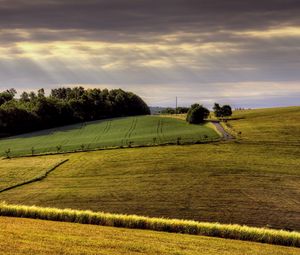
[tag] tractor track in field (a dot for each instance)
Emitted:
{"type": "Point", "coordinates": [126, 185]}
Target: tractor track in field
{"type": "Point", "coordinates": [129, 132]}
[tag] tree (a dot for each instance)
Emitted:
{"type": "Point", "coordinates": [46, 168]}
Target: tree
{"type": "Point", "coordinates": [24, 97]}
{"type": "Point", "coordinates": [7, 96]}
{"type": "Point", "coordinates": [224, 111]}
{"type": "Point", "coordinates": [197, 114]}
{"type": "Point", "coordinates": [41, 93]}
{"type": "Point", "coordinates": [34, 111]}
{"type": "Point", "coordinates": [217, 110]}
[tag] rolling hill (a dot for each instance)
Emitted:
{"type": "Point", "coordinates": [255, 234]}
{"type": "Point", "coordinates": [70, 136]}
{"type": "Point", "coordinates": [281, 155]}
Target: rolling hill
{"type": "Point", "coordinates": [253, 180]}
{"type": "Point", "coordinates": [121, 132]}
{"type": "Point", "coordinates": [233, 182]}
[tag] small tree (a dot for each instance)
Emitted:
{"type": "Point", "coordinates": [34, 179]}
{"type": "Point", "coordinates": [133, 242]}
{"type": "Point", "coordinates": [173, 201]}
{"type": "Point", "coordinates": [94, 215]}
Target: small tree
{"type": "Point", "coordinates": [130, 143]}
{"type": "Point", "coordinates": [58, 148]}
{"type": "Point", "coordinates": [154, 140]}
{"type": "Point", "coordinates": [226, 111]}
{"type": "Point", "coordinates": [217, 110]}
{"type": "Point", "coordinates": [7, 152]}
{"type": "Point", "coordinates": [197, 114]}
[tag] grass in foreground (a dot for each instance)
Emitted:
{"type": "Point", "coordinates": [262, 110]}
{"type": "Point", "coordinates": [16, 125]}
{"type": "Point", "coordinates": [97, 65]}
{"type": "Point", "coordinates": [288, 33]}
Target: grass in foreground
{"type": "Point", "coordinates": [278, 237]}
{"type": "Point", "coordinates": [227, 183]}
{"type": "Point", "coordinates": [26, 236]}
{"type": "Point", "coordinates": [121, 132]}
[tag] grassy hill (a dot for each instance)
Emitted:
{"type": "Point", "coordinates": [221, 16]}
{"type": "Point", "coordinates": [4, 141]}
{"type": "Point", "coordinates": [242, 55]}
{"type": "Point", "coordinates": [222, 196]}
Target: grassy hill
{"type": "Point", "coordinates": [229, 183]}
{"type": "Point", "coordinates": [269, 125]}
{"type": "Point", "coordinates": [143, 130]}
{"type": "Point", "coordinates": [256, 184]}
{"type": "Point", "coordinates": [26, 236]}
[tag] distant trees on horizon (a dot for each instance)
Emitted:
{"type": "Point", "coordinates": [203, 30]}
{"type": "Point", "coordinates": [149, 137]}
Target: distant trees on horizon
{"type": "Point", "coordinates": [35, 111]}
{"type": "Point", "coordinates": [178, 110]}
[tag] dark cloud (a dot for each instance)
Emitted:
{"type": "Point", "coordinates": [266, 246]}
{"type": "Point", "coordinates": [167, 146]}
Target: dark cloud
{"type": "Point", "coordinates": [172, 31]}
{"type": "Point", "coordinates": [148, 15]}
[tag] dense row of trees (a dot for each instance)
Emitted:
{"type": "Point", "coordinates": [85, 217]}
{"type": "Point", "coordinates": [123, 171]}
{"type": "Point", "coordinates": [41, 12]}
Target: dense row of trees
{"type": "Point", "coordinates": [178, 110]}
{"type": "Point", "coordinates": [34, 111]}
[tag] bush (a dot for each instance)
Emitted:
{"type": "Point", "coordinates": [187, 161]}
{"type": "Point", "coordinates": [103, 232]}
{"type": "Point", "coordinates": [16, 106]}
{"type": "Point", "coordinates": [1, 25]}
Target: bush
{"type": "Point", "coordinates": [196, 114]}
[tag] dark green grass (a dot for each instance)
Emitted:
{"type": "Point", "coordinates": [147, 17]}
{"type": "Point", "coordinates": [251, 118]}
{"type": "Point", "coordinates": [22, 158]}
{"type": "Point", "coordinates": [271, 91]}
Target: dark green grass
{"type": "Point", "coordinates": [121, 132]}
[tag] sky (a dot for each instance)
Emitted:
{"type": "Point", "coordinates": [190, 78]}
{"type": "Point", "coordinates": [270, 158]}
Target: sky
{"type": "Point", "coordinates": [243, 53]}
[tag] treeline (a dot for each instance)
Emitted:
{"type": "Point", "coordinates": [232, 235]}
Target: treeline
{"type": "Point", "coordinates": [178, 110]}
{"type": "Point", "coordinates": [35, 111]}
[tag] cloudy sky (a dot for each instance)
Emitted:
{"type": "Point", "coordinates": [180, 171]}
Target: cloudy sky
{"type": "Point", "coordinates": [246, 53]}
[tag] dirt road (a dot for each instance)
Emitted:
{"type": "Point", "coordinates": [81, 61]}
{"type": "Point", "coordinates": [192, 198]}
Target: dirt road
{"type": "Point", "coordinates": [225, 134]}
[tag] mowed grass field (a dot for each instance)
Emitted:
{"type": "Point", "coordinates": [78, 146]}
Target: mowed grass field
{"type": "Point", "coordinates": [227, 183]}
{"type": "Point", "coordinates": [254, 180]}
{"type": "Point", "coordinates": [257, 183]}
{"type": "Point", "coordinates": [26, 236]}
{"type": "Point", "coordinates": [13, 172]}
{"type": "Point", "coordinates": [270, 125]}
{"type": "Point", "coordinates": [121, 132]}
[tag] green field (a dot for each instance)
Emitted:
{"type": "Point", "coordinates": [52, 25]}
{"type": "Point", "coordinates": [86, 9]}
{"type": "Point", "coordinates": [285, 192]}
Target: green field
{"type": "Point", "coordinates": [254, 180]}
{"type": "Point", "coordinates": [26, 236]}
{"type": "Point", "coordinates": [227, 182]}
{"type": "Point", "coordinates": [122, 132]}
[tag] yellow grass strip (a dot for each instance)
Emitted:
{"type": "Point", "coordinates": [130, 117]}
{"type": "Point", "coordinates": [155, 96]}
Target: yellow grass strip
{"type": "Point", "coordinates": [263, 235]}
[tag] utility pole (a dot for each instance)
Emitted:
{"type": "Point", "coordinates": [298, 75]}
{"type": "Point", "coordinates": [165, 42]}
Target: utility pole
{"type": "Point", "coordinates": [176, 106]}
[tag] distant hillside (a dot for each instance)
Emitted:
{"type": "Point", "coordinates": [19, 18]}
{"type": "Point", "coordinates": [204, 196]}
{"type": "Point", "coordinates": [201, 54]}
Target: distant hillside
{"type": "Point", "coordinates": [117, 132]}
{"type": "Point", "coordinates": [156, 109]}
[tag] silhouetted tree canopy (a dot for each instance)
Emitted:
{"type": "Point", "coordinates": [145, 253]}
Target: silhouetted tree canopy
{"type": "Point", "coordinates": [196, 114]}
{"type": "Point", "coordinates": [34, 111]}
{"type": "Point", "coordinates": [224, 111]}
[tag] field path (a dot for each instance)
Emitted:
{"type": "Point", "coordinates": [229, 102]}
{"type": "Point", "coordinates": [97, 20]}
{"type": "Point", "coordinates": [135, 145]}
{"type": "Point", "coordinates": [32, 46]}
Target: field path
{"type": "Point", "coordinates": [226, 135]}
